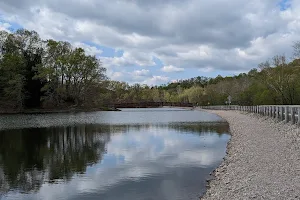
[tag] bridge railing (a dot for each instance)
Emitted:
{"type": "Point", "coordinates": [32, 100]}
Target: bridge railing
{"type": "Point", "coordinates": [150, 104]}
{"type": "Point", "coordinates": [286, 113]}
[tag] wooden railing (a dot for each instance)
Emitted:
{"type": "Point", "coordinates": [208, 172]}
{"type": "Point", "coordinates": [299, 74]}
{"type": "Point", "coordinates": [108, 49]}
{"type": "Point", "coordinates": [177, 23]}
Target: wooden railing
{"type": "Point", "coordinates": [290, 113]}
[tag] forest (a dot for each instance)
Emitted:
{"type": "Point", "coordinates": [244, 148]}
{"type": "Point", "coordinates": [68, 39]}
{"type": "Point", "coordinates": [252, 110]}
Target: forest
{"type": "Point", "coordinates": [48, 74]}
{"type": "Point", "coordinates": [273, 82]}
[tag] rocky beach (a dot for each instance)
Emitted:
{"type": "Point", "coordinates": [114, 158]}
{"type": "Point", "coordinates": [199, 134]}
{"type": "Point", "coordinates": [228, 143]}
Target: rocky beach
{"type": "Point", "coordinates": [262, 161]}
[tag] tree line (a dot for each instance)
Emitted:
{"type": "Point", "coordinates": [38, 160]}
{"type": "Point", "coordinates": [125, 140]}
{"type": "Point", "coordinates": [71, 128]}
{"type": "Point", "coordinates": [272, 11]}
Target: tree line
{"type": "Point", "coordinates": [275, 81]}
{"type": "Point", "coordinates": [36, 73]}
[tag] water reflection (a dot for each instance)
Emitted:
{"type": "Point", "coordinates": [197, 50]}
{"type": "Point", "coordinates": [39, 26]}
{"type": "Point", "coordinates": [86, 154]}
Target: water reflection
{"type": "Point", "coordinates": [127, 116]}
{"type": "Point", "coordinates": [141, 161]}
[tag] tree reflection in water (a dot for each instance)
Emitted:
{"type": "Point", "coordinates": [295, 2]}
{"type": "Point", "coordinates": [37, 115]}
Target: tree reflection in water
{"type": "Point", "coordinates": [31, 157]}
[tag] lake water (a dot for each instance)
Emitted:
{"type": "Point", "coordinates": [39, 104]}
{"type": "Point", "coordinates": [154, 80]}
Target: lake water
{"type": "Point", "coordinates": [143, 154]}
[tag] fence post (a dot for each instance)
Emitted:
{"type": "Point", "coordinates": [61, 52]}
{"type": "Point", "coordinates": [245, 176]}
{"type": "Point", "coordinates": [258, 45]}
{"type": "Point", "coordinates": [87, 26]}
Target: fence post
{"type": "Point", "coordinates": [281, 113]}
{"type": "Point", "coordinates": [293, 115]}
{"type": "Point", "coordinates": [286, 114]}
{"type": "Point", "coordinates": [277, 113]}
{"type": "Point", "coordinates": [298, 122]}
{"type": "Point", "coordinates": [272, 110]}
{"type": "Point", "coordinates": [260, 110]}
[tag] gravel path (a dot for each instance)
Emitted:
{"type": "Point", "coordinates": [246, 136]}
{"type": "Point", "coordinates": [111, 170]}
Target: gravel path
{"type": "Point", "coordinates": [262, 162]}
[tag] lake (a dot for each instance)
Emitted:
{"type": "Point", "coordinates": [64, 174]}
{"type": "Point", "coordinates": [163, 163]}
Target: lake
{"type": "Point", "coordinates": [143, 154]}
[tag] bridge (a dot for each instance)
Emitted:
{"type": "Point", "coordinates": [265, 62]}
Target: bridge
{"type": "Point", "coordinates": [150, 104]}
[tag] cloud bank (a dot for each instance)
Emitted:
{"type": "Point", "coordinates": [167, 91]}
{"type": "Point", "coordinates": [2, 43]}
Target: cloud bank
{"type": "Point", "coordinates": [165, 36]}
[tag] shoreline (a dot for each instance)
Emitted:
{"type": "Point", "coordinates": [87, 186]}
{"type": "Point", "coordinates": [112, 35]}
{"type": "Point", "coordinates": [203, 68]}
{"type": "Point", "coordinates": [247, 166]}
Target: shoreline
{"type": "Point", "coordinates": [262, 160]}
{"type": "Point", "coordinates": [49, 111]}
{"type": "Point", "coordinates": [72, 110]}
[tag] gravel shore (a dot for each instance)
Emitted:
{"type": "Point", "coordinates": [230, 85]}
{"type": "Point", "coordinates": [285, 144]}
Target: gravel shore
{"type": "Point", "coordinates": [262, 161]}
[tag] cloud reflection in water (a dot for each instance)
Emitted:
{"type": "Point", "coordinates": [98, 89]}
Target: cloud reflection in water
{"type": "Point", "coordinates": [135, 161]}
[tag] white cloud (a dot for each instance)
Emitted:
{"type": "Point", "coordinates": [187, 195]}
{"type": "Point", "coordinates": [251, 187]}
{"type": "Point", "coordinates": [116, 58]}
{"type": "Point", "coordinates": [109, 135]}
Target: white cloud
{"type": "Point", "coordinates": [233, 36]}
{"type": "Point", "coordinates": [116, 75]}
{"type": "Point", "coordinates": [4, 26]}
{"type": "Point", "coordinates": [142, 72]}
{"type": "Point", "coordinates": [206, 69]}
{"type": "Point", "coordinates": [90, 50]}
{"type": "Point", "coordinates": [172, 68]}
{"type": "Point", "coordinates": [129, 59]}
{"type": "Point", "coordinates": [202, 52]}
{"type": "Point", "coordinates": [156, 80]}
{"type": "Point", "coordinates": [139, 76]}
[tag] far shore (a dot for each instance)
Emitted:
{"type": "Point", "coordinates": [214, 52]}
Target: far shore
{"type": "Point", "coordinates": [66, 110]}
{"type": "Point", "coordinates": [72, 110]}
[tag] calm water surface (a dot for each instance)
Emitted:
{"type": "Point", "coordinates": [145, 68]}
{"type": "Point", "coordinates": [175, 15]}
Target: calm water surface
{"type": "Point", "coordinates": [144, 154]}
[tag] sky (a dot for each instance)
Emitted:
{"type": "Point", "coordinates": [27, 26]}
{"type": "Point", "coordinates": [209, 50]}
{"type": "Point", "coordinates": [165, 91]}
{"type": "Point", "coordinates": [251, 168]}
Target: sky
{"type": "Point", "coordinates": [161, 41]}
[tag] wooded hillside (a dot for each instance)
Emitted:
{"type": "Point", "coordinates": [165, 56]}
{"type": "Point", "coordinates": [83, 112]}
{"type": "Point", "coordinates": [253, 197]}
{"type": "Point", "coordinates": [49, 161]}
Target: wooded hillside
{"type": "Point", "coordinates": [36, 73]}
{"type": "Point", "coordinates": [272, 82]}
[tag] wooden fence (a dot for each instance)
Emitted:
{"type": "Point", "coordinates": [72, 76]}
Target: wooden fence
{"type": "Point", "coordinates": [284, 113]}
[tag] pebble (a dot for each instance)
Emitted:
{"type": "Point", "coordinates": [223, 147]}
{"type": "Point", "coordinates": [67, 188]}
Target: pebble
{"type": "Point", "coordinates": [262, 161]}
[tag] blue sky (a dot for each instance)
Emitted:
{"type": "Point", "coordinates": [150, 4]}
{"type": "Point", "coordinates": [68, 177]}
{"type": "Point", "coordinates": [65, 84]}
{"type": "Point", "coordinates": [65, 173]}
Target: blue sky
{"type": "Point", "coordinates": [285, 4]}
{"type": "Point", "coordinates": [162, 41]}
